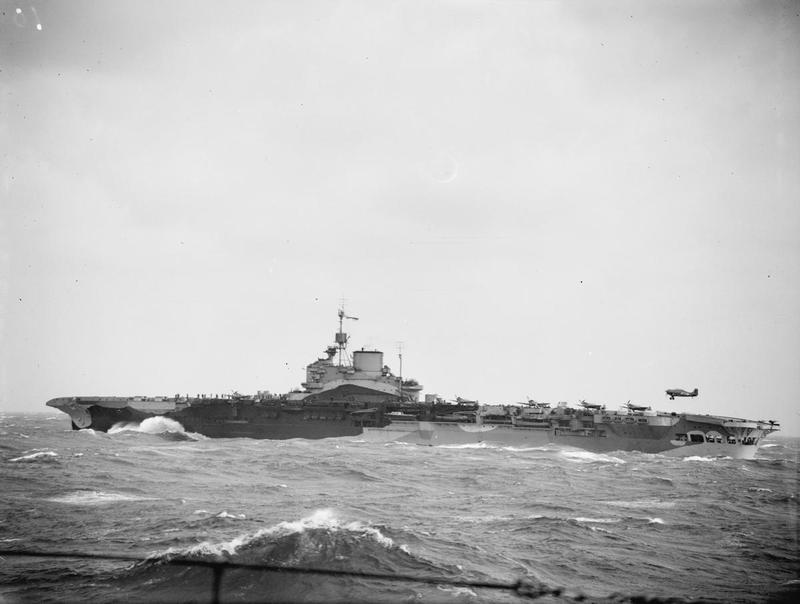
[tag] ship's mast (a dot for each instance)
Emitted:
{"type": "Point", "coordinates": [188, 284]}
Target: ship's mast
{"type": "Point", "coordinates": [341, 336]}
{"type": "Point", "coordinates": [400, 356]}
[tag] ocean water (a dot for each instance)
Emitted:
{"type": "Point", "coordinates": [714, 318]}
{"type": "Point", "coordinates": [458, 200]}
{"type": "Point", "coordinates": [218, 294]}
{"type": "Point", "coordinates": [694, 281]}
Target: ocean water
{"type": "Point", "coordinates": [605, 528]}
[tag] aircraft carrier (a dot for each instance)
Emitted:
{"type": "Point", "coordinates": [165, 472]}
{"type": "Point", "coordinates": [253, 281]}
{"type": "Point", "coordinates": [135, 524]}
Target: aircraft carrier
{"type": "Point", "coordinates": [357, 395]}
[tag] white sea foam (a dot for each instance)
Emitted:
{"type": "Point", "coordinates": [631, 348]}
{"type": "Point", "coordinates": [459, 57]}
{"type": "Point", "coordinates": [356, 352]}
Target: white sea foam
{"type": "Point", "coordinates": [225, 514]}
{"type": "Point", "coordinates": [588, 456]}
{"type": "Point", "coordinates": [156, 425]}
{"type": "Point", "coordinates": [642, 503]}
{"type": "Point", "coordinates": [700, 458]}
{"type": "Point", "coordinates": [95, 498]}
{"type": "Point", "coordinates": [320, 519]}
{"type": "Point", "coordinates": [468, 446]}
{"type": "Point", "coordinates": [597, 520]}
{"type": "Point", "coordinates": [399, 443]}
{"type": "Point", "coordinates": [151, 425]}
{"type": "Point", "coordinates": [38, 456]}
{"type": "Point", "coordinates": [524, 449]}
{"type": "Point", "coordinates": [457, 591]}
{"type": "Point", "coordinates": [655, 521]}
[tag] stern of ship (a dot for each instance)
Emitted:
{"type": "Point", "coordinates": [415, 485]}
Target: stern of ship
{"type": "Point", "coordinates": [96, 413]}
{"type": "Point", "coordinates": [80, 414]}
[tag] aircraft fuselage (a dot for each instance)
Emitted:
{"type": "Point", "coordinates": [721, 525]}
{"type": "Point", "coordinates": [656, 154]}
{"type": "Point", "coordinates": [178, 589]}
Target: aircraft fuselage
{"type": "Point", "coordinates": [678, 392]}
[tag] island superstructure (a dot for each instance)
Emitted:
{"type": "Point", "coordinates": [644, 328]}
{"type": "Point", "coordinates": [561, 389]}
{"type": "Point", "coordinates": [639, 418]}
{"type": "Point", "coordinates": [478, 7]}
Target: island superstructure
{"type": "Point", "coordinates": [358, 395]}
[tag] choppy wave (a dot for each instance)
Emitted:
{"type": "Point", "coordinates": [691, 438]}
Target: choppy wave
{"type": "Point", "coordinates": [320, 540]}
{"type": "Point", "coordinates": [642, 503]}
{"type": "Point", "coordinates": [45, 456]}
{"type": "Point", "coordinates": [589, 457]}
{"type": "Point", "coordinates": [226, 514]}
{"type": "Point", "coordinates": [323, 519]}
{"type": "Point", "coordinates": [484, 519]}
{"type": "Point", "coordinates": [526, 449]}
{"type": "Point", "coordinates": [595, 523]}
{"type": "Point", "coordinates": [481, 445]}
{"type": "Point", "coordinates": [91, 498]}
{"type": "Point", "coordinates": [597, 520]}
{"type": "Point", "coordinates": [158, 425]}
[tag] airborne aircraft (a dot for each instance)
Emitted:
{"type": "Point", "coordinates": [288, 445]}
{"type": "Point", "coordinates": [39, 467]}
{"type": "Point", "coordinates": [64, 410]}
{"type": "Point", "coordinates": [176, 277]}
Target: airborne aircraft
{"type": "Point", "coordinates": [678, 392]}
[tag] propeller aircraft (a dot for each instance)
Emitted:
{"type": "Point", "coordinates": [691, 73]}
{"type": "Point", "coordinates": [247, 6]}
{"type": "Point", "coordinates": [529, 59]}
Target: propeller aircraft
{"type": "Point", "coordinates": [678, 392]}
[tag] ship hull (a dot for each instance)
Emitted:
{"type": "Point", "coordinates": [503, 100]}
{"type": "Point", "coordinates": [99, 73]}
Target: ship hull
{"type": "Point", "coordinates": [216, 418]}
{"type": "Point", "coordinates": [670, 434]}
{"type": "Point", "coordinates": [454, 434]}
{"type": "Point", "coordinates": [277, 428]}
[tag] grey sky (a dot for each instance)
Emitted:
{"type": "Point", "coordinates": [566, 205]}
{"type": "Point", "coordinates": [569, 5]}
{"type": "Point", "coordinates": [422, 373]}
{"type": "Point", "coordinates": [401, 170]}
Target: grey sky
{"type": "Point", "coordinates": [560, 200]}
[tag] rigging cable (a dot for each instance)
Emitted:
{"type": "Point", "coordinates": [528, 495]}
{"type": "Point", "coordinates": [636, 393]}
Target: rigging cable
{"type": "Point", "coordinates": [523, 587]}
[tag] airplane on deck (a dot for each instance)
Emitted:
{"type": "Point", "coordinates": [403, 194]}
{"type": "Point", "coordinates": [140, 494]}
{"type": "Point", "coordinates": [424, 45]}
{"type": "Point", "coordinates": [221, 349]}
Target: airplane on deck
{"type": "Point", "coordinates": [586, 405]}
{"type": "Point", "coordinates": [636, 407]}
{"type": "Point", "coordinates": [678, 392]}
{"type": "Point", "coordinates": [537, 404]}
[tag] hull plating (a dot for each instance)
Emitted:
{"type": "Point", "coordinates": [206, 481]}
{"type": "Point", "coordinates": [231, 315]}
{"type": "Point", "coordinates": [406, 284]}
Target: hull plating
{"type": "Point", "coordinates": [218, 421]}
{"type": "Point", "coordinates": [440, 433]}
{"type": "Point", "coordinates": [224, 420]}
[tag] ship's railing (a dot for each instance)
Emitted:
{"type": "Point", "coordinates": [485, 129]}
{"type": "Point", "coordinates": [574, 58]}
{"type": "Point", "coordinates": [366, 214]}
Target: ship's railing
{"type": "Point", "coordinates": [523, 587]}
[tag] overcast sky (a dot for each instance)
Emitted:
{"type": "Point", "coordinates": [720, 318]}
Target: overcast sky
{"type": "Point", "coordinates": [556, 200]}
